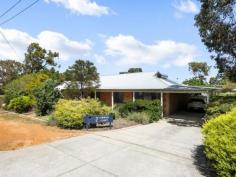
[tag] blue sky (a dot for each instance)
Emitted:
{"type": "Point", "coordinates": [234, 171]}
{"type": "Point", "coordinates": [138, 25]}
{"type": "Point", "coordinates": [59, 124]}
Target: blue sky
{"type": "Point", "coordinates": [115, 35]}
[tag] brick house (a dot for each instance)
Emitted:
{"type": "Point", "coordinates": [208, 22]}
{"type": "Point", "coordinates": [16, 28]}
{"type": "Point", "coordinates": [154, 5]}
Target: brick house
{"type": "Point", "coordinates": [127, 87]}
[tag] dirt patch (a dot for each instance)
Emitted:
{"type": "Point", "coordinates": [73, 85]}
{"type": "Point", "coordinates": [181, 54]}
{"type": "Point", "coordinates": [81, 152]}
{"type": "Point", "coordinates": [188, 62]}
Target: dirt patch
{"type": "Point", "coordinates": [22, 130]}
{"type": "Point", "coordinates": [16, 132]}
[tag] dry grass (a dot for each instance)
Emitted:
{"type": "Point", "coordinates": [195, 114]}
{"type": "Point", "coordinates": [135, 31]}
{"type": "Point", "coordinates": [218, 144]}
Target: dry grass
{"type": "Point", "coordinates": [22, 130]}
{"type": "Point", "coordinates": [17, 132]}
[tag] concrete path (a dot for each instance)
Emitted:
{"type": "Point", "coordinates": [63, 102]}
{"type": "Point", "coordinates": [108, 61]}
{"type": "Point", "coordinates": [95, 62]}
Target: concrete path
{"type": "Point", "coordinates": [165, 149]}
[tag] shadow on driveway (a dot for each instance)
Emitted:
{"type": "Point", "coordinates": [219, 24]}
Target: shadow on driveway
{"type": "Point", "coordinates": [187, 119]}
{"type": "Point", "coordinates": [194, 119]}
{"type": "Point", "coordinates": [201, 162]}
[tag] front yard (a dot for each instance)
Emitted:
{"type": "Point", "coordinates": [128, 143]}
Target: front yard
{"type": "Point", "coordinates": [22, 130]}
{"type": "Point", "coordinates": [17, 132]}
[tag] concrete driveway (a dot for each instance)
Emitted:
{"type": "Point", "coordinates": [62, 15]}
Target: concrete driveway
{"type": "Point", "coordinates": [160, 149]}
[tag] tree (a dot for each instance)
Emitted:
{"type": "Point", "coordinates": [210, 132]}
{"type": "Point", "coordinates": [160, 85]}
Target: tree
{"type": "Point", "coordinates": [10, 70]}
{"type": "Point", "coordinates": [46, 97]}
{"type": "Point", "coordinates": [200, 71]}
{"type": "Point", "coordinates": [83, 76]}
{"type": "Point", "coordinates": [216, 81]}
{"type": "Point", "coordinates": [217, 27]}
{"type": "Point", "coordinates": [38, 58]}
{"type": "Point", "coordinates": [135, 70]}
{"type": "Point", "coordinates": [195, 82]}
{"type": "Point", "coordinates": [23, 86]}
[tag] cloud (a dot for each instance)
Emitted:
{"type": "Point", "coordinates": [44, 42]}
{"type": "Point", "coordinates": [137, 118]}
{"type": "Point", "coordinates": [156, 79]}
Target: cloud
{"type": "Point", "coordinates": [67, 48]}
{"type": "Point", "coordinates": [129, 51]}
{"type": "Point", "coordinates": [47, 39]}
{"type": "Point", "coordinates": [185, 7]}
{"type": "Point", "coordinates": [100, 59]}
{"type": "Point", "coordinates": [83, 7]}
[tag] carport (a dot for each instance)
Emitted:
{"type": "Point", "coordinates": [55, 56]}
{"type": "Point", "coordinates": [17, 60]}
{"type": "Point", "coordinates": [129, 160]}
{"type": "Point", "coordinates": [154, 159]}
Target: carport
{"type": "Point", "coordinates": [176, 100]}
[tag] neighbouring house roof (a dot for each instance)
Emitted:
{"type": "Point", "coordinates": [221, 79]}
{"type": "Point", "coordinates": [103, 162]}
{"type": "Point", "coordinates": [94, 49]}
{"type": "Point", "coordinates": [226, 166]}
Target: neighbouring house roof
{"type": "Point", "coordinates": [143, 81]}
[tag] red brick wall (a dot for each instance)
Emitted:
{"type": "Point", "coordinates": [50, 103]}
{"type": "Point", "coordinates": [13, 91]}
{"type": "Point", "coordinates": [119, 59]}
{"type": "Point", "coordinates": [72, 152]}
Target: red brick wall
{"type": "Point", "coordinates": [106, 97]}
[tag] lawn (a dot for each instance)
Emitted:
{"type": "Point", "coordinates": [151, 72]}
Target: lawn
{"type": "Point", "coordinates": [17, 132]}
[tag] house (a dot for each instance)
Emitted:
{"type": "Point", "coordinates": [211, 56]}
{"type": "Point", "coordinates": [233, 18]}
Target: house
{"type": "Point", "coordinates": [127, 87]}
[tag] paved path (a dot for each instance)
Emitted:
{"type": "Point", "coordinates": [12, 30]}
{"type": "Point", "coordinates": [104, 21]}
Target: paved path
{"type": "Point", "coordinates": [165, 149]}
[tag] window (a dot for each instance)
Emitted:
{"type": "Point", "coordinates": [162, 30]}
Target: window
{"type": "Point", "coordinates": [147, 95]}
{"type": "Point", "coordinates": [118, 97]}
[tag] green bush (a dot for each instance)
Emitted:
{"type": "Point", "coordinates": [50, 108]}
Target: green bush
{"type": "Point", "coordinates": [220, 104]}
{"type": "Point", "coordinates": [46, 97]}
{"type": "Point", "coordinates": [70, 113]}
{"type": "Point", "coordinates": [152, 108]}
{"type": "Point", "coordinates": [1, 100]}
{"type": "Point", "coordinates": [220, 143]}
{"type": "Point", "coordinates": [139, 117]}
{"type": "Point", "coordinates": [70, 93]}
{"type": "Point", "coordinates": [21, 104]}
{"type": "Point", "coordinates": [23, 86]}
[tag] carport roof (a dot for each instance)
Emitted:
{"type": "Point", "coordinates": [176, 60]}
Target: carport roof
{"type": "Point", "coordinates": [143, 81]}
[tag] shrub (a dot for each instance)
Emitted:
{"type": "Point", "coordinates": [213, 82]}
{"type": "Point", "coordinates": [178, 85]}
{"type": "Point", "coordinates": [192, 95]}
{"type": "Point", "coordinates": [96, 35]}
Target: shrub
{"type": "Point", "coordinates": [152, 108]}
{"type": "Point", "coordinates": [70, 113]}
{"type": "Point", "coordinates": [220, 143]}
{"type": "Point", "coordinates": [220, 104]}
{"type": "Point", "coordinates": [46, 97]}
{"type": "Point", "coordinates": [139, 117]}
{"type": "Point", "coordinates": [1, 100]}
{"type": "Point", "coordinates": [23, 86]}
{"type": "Point", "coordinates": [21, 104]}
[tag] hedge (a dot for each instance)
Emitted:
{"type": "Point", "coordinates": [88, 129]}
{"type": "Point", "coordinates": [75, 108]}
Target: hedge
{"type": "Point", "coordinates": [151, 107]}
{"type": "Point", "coordinates": [220, 143]}
{"type": "Point", "coordinates": [70, 113]}
{"type": "Point", "coordinates": [220, 104]}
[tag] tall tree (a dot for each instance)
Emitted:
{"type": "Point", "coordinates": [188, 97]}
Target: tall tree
{"type": "Point", "coordinates": [135, 70]}
{"type": "Point", "coordinates": [38, 58]}
{"type": "Point", "coordinates": [9, 70]}
{"type": "Point", "coordinates": [217, 27]}
{"type": "Point", "coordinates": [83, 76]}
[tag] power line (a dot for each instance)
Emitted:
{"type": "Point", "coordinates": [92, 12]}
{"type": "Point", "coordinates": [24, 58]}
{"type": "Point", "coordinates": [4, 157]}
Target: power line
{"type": "Point", "coordinates": [9, 19]}
{"type": "Point", "coordinates": [8, 42]}
{"type": "Point", "coordinates": [18, 13]}
{"type": "Point", "coordinates": [10, 8]}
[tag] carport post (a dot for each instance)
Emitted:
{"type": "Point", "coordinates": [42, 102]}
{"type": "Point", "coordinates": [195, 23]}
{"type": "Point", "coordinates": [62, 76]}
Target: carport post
{"type": "Point", "coordinates": [162, 104]}
{"type": "Point", "coordinates": [133, 96]}
{"type": "Point", "coordinates": [112, 100]}
{"type": "Point", "coordinates": [95, 95]}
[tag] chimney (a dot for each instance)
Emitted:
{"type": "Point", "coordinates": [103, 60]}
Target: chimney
{"type": "Point", "coordinates": [159, 75]}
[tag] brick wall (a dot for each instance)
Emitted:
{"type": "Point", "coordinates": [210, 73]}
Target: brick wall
{"type": "Point", "coordinates": [105, 97]}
